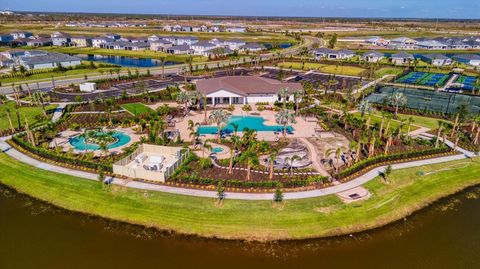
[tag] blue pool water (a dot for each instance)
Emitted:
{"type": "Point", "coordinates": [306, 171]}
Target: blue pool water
{"type": "Point", "coordinates": [124, 60]}
{"type": "Point", "coordinates": [251, 122]}
{"type": "Point", "coordinates": [217, 150]}
{"type": "Point", "coordinates": [78, 142]}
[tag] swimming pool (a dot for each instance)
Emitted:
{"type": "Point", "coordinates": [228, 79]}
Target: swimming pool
{"type": "Point", "coordinates": [78, 142]}
{"type": "Point", "coordinates": [217, 150]}
{"type": "Point", "coordinates": [250, 122]}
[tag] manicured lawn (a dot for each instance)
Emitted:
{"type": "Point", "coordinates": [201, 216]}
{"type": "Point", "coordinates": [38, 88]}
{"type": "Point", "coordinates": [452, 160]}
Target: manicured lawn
{"type": "Point", "coordinates": [394, 124]}
{"type": "Point", "coordinates": [31, 113]}
{"type": "Point", "coordinates": [326, 68]}
{"type": "Point", "coordinates": [407, 191]}
{"type": "Point", "coordinates": [388, 71]}
{"type": "Point", "coordinates": [58, 75]}
{"type": "Point", "coordinates": [430, 123]}
{"type": "Point", "coordinates": [137, 108]}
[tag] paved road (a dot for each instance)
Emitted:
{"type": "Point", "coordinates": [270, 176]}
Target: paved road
{"type": "Point", "coordinates": [229, 195]}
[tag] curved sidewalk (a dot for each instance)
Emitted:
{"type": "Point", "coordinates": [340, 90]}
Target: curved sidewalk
{"type": "Point", "coordinates": [213, 194]}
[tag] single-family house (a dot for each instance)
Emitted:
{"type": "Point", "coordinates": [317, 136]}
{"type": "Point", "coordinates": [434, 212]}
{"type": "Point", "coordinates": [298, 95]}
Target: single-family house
{"type": "Point", "coordinates": [5, 38]}
{"type": "Point", "coordinates": [180, 49]}
{"type": "Point", "coordinates": [377, 41]}
{"type": "Point", "coordinates": [403, 43]}
{"type": "Point", "coordinates": [99, 42]}
{"type": "Point", "coordinates": [470, 59]}
{"type": "Point", "coordinates": [21, 34]}
{"type": "Point", "coordinates": [372, 56]}
{"type": "Point", "coordinates": [153, 38]}
{"type": "Point", "coordinates": [112, 36]}
{"type": "Point", "coordinates": [39, 42]}
{"type": "Point", "coordinates": [47, 60]}
{"type": "Point", "coordinates": [244, 89]}
{"type": "Point", "coordinates": [330, 54]}
{"type": "Point", "coordinates": [60, 39]}
{"type": "Point", "coordinates": [199, 48]}
{"type": "Point", "coordinates": [236, 29]}
{"type": "Point", "coordinates": [252, 47]}
{"type": "Point", "coordinates": [125, 45]}
{"type": "Point", "coordinates": [81, 41]}
{"type": "Point", "coordinates": [217, 52]}
{"type": "Point", "coordinates": [431, 45]}
{"type": "Point", "coordinates": [233, 44]}
{"type": "Point", "coordinates": [186, 28]}
{"type": "Point", "coordinates": [160, 45]}
{"type": "Point", "coordinates": [401, 58]}
{"type": "Point", "coordinates": [436, 59]}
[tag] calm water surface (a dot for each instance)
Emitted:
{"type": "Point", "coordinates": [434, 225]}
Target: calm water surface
{"type": "Point", "coordinates": [124, 60]}
{"type": "Point", "coordinates": [36, 235]}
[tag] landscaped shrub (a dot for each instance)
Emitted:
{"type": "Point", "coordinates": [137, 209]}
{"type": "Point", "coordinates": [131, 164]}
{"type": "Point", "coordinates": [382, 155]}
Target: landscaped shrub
{"type": "Point", "coordinates": [388, 158]}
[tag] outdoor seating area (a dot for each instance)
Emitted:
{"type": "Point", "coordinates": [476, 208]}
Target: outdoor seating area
{"type": "Point", "coordinates": [151, 162]}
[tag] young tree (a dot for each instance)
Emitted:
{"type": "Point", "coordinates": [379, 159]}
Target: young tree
{"type": "Point", "coordinates": [278, 196]}
{"type": "Point", "coordinates": [220, 192]}
{"type": "Point", "coordinates": [364, 107]}
{"type": "Point", "coordinates": [332, 41]}
{"type": "Point", "coordinates": [397, 100]}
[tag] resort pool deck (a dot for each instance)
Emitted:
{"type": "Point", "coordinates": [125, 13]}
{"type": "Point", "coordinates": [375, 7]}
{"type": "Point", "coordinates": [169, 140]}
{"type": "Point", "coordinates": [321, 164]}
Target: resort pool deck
{"type": "Point", "coordinates": [251, 122]}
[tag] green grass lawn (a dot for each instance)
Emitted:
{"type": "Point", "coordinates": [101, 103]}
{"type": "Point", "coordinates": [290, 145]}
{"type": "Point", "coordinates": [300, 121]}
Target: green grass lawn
{"type": "Point", "coordinates": [326, 68]}
{"type": "Point", "coordinates": [137, 108]}
{"type": "Point", "coordinates": [388, 71]}
{"type": "Point", "coordinates": [431, 123]}
{"type": "Point", "coordinates": [58, 75]}
{"type": "Point", "coordinates": [394, 124]}
{"type": "Point", "coordinates": [31, 113]}
{"type": "Point", "coordinates": [315, 217]}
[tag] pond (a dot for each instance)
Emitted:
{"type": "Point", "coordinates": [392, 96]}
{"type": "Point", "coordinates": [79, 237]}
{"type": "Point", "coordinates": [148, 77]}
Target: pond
{"type": "Point", "coordinates": [36, 235]}
{"type": "Point", "coordinates": [118, 139]}
{"type": "Point", "coordinates": [124, 60]}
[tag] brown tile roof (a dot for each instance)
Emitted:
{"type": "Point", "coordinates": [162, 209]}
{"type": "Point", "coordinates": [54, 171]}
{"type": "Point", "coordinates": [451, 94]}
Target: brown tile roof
{"type": "Point", "coordinates": [245, 85]}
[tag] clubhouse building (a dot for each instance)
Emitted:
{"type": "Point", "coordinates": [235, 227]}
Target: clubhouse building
{"type": "Point", "coordinates": [244, 90]}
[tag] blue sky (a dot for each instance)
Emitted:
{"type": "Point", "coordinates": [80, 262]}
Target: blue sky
{"type": "Point", "coordinates": [311, 8]}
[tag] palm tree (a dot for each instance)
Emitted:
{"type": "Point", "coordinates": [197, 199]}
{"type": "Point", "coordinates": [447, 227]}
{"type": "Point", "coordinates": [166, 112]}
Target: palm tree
{"type": "Point", "coordinates": [206, 146]}
{"type": "Point", "coordinates": [284, 117]}
{"type": "Point", "coordinates": [103, 148]}
{"type": "Point", "coordinates": [9, 116]}
{"type": "Point", "coordinates": [283, 93]}
{"type": "Point", "coordinates": [364, 107]}
{"type": "Point", "coordinates": [162, 61]}
{"type": "Point", "coordinates": [397, 100]}
{"type": "Point", "coordinates": [219, 117]}
{"type": "Point", "coordinates": [271, 160]}
{"type": "Point", "coordinates": [184, 98]}
{"type": "Point", "coordinates": [290, 161]}
{"type": "Point", "coordinates": [3, 99]}
{"type": "Point", "coordinates": [234, 140]}
{"type": "Point", "coordinates": [250, 156]}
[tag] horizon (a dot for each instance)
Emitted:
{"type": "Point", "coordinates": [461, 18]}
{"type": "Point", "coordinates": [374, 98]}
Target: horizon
{"type": "Point", "coordinates": [388, 9]}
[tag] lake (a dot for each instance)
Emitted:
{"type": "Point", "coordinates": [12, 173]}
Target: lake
{"type": "Point", "coordinates": [36, 235]}
{"type": "Point", "coordinates": [126, 61]}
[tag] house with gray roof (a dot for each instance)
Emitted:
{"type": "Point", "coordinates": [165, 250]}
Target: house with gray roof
{"type": "Point", "coordinates": [372, 56]}
{"type": "Point", "coordinates": [470, 59]}
{"type": "Point", "coordinates": [436, 59]}
{"type": "Point", "coordinates": [201, 47]}
{"type": "Point", "coordinates": [39, 42]}
{"type": "Point", "coordinates": [160, 45]}
{"type": "Point", "coordinates": [431, 45]}
{"type": "Point", "coordinates": [42, 60]}
{"type": "Point", "coordinates": [252, 47]}
{"type": "Point", "coordinates": [402, 58]}
{"type": "Point", "coordinates": [330, 54]}
{"type": "Point", "coordinates": [181, 49]}
{"type": "Point", "coordinates": [402, 43]}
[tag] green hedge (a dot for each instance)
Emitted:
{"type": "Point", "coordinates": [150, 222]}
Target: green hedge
{"type": "Point", "coordinates": [60, 158]}
{"type": "Point", "coordinates": [386, 158]}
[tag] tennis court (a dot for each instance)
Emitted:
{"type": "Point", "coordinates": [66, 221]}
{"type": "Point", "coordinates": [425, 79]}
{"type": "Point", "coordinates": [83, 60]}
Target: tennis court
{"type": "Point", "coordinates": [468, 82]}
{"type": "Point", "coordinates": [424, 78]}
{"type": "Point", "coordinates": [444, 102]}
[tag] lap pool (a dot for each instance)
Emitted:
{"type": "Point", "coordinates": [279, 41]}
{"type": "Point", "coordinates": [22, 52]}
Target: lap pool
{"type": "Point", "coordinates": [250, 122]}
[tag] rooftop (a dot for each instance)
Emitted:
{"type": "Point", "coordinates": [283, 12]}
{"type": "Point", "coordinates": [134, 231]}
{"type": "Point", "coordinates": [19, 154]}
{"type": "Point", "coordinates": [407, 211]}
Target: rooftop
{"type": "Point", "coordinates": [245, 85]}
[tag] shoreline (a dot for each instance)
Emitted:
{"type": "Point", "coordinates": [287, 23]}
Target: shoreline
{"type": "Point", "coordinates": [226, 232]}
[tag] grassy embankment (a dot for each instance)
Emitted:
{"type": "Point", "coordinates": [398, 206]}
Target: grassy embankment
{"type": "Point", "coordinates": [325, 68]}
{"type": "Point", "coordinates": [406, 192]}
{"type": "Point", "coordinates": [394, 124]}
{"type": "Point", "coordinates": [31, 113]}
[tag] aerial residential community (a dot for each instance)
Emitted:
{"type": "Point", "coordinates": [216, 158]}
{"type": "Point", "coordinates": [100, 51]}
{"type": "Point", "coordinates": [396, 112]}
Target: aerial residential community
{"type": "Point", "coordinates": [201, 134]}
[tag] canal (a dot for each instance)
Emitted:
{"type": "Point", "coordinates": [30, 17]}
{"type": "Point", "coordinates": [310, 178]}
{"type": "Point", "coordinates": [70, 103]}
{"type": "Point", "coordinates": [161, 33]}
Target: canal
{"type": "Point", "coordinates": [37, 235]}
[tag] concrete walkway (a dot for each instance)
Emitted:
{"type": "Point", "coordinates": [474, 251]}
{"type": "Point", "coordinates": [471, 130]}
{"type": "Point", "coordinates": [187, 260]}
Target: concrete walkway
{"type": "Point", "coordinates": [58, 112]}
{"type": "Point", "coordinates": [230, 195]}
